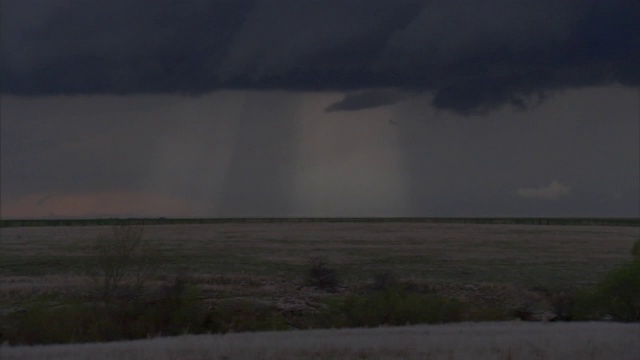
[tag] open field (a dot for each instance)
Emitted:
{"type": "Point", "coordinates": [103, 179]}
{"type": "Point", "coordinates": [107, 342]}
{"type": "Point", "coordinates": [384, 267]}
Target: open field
{"type": "Point", "coordinates": [510, 340]}
{"type": "Point", "coordinates": [254, 276]}
{"type": "Point", "coordinates": [268, 255]}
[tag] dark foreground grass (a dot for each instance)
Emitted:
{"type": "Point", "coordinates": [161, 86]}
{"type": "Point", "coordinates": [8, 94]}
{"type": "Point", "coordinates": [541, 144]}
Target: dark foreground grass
{"type": "Point", "coordinates": [180, 310]}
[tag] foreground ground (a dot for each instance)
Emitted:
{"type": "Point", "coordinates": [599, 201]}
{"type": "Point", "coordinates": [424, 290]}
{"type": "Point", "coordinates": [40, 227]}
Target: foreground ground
{"type": "Point", "coordinates": [510, 340]}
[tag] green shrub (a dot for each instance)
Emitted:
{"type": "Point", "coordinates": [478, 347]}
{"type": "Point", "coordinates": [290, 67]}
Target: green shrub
{"type": "Point", "coordinates": [176, 310]}
{"type": "Point", "coordinates": [244, 315]}
{"type": "Point", "coordinates": [617, 296]}
{"type": "Point", "coordinates": [587, 305]}
{"type": "Point", "coordinates": [46, 321]}
{"type": "Point", "coordinates": [620, 292]}
{"type": "Point", "coordinates": [329, 315]}
{"type": "Point", "coordinates": [394, 306]}
{"type": "Point", "coordinates": [475, 312]}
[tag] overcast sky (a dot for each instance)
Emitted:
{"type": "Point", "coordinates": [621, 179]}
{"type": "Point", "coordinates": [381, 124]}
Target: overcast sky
{"type": "Point", "coordinates": [320, 108]}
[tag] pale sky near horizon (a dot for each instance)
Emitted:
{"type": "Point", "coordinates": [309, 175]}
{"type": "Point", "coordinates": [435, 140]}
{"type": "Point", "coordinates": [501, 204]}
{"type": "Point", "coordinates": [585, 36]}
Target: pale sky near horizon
{"type": "Point", "coordinates": [375, 108]}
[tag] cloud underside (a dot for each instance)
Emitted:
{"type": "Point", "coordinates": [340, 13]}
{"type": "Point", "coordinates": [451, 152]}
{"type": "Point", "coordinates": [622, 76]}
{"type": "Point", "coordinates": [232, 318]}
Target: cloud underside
{"type": "Point", "coordinates": [553, 191]}
{"type": "Point", "coordinates": [368, 99]}
{"type": "Point", "coordinates": [472, 56]}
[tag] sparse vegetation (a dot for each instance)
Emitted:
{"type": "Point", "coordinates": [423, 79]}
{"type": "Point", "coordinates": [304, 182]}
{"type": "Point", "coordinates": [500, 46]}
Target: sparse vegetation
{"type": "Point", "coordinates": [620, 291]}
{"type": "Point", "coordinates": [238, 280]}
{"type": "Point", "coordinates": [117, 305]}
{"type": "Point", "coordinates": [121, 264]}
{"type": "Point", "coordinates": [617, 296]}
{"type": "Point", "coordinates": [321, 276]}
{"type": "Point", "coordinates": [175, 310]}
{"type": "Point", "coordinates": [384, 280]}
{"type": "Point", "coordinates": [244, 315]}
{"type": "Point", "coordinates": [394, 306]}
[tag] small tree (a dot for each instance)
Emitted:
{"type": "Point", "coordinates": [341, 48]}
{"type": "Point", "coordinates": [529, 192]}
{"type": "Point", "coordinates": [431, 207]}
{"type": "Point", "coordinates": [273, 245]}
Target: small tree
{"type": "Point", "coordinates": [125, 260]}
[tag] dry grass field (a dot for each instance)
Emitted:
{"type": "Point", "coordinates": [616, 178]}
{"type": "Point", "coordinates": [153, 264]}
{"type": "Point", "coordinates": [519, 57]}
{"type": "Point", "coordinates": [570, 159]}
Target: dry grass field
{"type": "Point", "coordinates": [264, 268]}
{"type": "Point", "coordinates": [271, 259]}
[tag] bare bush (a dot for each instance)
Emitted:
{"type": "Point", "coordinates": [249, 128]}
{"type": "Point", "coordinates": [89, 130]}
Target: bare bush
{"type": "Point", "coordinates": [384, 280]}
{"type": "Point", "coordinates": [321, 276]}
{"type": "Point", "coordinates": [121, 264]}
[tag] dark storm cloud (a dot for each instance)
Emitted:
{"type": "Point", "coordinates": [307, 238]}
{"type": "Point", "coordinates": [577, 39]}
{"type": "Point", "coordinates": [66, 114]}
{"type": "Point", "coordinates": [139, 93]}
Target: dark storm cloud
{"type": "Point", "coordinates": [368, 99]}
{"type": "Point", "coordinates": [116, 46]}
{"type": "Point", "coordinates": [473, 56]}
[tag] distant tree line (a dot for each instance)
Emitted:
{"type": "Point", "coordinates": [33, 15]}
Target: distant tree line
{"type": "Point", "coordinates": [434, 220]}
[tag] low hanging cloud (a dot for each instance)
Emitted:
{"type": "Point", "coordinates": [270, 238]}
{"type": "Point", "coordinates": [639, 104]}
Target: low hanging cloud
{"type": "Point", "coordinates": [553, 191]}
{"type": "Point", "coordinates": [471, 56]}
{"type": "Point", "coordinates": [369, 99]}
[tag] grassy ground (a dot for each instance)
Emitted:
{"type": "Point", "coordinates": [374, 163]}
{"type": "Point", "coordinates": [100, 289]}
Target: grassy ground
{"type": "Point", "coordinates": [260, 269]}
{"type": "Point", "coordinates": [525, 255]}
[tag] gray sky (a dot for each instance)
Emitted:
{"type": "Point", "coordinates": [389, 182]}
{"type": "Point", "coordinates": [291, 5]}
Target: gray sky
{"type": "Point", "coordinates": [320, 108]}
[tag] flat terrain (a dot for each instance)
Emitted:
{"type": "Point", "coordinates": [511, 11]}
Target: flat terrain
{"type": "Point", "coordinates": [480, 341]}
{"type": "Point", "coordinates": [271, 260]}
{"type": "Point", "coordinates": [260, 269]}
